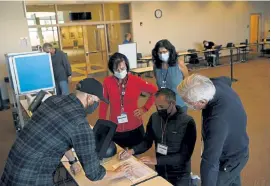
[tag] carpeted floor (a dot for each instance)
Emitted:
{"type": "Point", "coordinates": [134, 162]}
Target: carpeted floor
{"type": "Point", "coordinates": [253, 86]}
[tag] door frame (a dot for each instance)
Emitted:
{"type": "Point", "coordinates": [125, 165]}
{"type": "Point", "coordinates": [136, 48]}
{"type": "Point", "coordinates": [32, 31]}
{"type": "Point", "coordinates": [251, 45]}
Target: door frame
{"type": "Point", "coordinates": [259, 28]}
{"type": "Point", "coordinates": [106, 47]}
{"type": "Point", "coordinates": [260, 24]}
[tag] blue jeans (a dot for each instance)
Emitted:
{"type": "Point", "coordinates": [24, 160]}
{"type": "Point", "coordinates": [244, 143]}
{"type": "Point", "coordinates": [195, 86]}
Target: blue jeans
{"type": "Point", "coordinates": [62, 88]}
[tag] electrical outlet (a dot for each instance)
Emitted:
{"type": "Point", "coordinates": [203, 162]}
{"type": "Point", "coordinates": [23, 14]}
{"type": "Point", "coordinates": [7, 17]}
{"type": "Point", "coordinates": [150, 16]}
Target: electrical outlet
{"type": "Point", "coordinates": [149, 42]}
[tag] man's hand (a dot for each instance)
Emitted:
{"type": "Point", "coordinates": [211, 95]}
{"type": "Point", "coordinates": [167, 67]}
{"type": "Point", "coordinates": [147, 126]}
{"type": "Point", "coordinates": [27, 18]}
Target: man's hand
{"type": "Point", "coordinates": [122, 171]}
{"type": "Point", "coordinates": [126, 154]}
{"type": "Point", "coordinates": [149, 160]}
{"type": "Point", "coordinates": [70, 79]}
{"type": "Point", "coordinates": [75, 168]}
{"type": "Point", "coordinates": [139, 112]}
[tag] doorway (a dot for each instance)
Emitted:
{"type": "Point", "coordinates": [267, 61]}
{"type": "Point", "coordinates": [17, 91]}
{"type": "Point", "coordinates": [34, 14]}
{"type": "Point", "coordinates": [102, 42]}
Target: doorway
{"type": "Point", "coordinates": [254, 30]}
{"type": "Point", "coordinates": [72, 42]}
{"type": "Point", "coordinates": [85, 47]}
{"type": "Point", "coordinates": [95, 48]}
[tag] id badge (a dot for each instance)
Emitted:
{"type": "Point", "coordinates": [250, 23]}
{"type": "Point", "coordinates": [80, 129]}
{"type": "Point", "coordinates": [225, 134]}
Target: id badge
{"type": "Point", "coordinates": [122, 118]}
{"type": "Point", "coordinates": [162, 149]}
{"type": "Point", "coordinates": [164, 84]}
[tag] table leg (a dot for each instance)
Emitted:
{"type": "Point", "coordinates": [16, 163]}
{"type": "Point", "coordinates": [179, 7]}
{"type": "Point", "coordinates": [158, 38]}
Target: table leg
{"type": "Point", "coordinates": [232, 79]}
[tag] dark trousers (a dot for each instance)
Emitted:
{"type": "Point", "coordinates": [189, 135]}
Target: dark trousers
{"type": "Point", "coordinates": [231, 176]}
{"type": "Point", "coordinates": [129, 139]}
{"type": "Point", "coordinates": [185, 180]}
{"type": "Point", "coordinates": [175, 174]}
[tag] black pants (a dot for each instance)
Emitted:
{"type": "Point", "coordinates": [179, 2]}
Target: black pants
{"type": "Point", "coordinates": [176, 175]}
{"type": "Point", "coordinates": [231, 176]}
{"type": "Point", "coordinates": [129, 139]}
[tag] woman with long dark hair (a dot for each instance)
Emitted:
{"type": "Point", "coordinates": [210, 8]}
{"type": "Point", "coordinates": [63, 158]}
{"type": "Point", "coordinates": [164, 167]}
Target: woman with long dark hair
{"type": "Point", "coordinates": [169, 71]}
{"type": "Point", "coordinates": [123, 90]}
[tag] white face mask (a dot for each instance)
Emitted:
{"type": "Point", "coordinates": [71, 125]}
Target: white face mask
{"type": "Point", "coordinates": [164, 57]}
{"type": "Point", "coordinates": [120, 75]}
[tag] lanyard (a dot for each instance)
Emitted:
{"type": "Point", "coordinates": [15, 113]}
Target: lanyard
{"type": "Point", "coordinates": [164, 78]}
{"type": "Point", "coordinates": [163, 129]}
{"type": "Point", "coordinates": [122, 89]}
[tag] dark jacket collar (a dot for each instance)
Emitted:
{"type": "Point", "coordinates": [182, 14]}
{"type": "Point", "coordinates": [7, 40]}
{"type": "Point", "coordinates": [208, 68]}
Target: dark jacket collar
{"type": "Point", "coordinates": [79, 103]}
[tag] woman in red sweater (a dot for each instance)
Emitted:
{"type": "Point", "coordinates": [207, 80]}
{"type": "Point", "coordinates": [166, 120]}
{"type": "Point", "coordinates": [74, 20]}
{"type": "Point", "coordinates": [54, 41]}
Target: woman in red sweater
{"type": "Point", "coordinates": [123, 90]}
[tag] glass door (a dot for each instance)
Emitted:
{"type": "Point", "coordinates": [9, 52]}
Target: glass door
{"type": "Point", "coordinates": [72, 42]}
{"type": "Point", "coordinates": [95, 48]}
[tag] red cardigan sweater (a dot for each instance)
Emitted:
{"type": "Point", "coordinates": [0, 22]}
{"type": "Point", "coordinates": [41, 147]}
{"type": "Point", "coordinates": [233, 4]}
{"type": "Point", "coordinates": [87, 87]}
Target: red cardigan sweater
{"type": "Point", "coordinates": [134, 87]}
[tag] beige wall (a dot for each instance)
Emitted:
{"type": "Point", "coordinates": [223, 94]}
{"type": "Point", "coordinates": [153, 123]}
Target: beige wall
{"type": "Point", "coordinates": [13, 26]}
{"type": "Point", "coordinates": [187, 24]}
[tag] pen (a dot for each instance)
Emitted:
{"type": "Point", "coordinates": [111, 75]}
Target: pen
{"type": "Point", "coordinates": [125, 150]}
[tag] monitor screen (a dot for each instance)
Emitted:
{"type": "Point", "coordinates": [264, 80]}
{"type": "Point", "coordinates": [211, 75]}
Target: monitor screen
{"type": "Point", "coordinates": [104, 131]}
{"type": "Point", "coordinates": [34, 72]}
{"type": "Point", "coordinates": [76, 16]}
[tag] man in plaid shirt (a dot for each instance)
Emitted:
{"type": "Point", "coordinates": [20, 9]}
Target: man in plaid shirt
{"type": "Point", "coordinates": [58, 125]}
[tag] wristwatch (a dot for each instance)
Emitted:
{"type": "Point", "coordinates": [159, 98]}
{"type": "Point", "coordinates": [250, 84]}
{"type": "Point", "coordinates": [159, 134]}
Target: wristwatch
{"type": "Point", "coordinates": [73, 162]}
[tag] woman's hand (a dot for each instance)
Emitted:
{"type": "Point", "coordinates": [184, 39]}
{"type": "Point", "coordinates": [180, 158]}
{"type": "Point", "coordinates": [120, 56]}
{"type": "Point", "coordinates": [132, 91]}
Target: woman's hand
{"type": "Point", "coordinates": [139, 112]}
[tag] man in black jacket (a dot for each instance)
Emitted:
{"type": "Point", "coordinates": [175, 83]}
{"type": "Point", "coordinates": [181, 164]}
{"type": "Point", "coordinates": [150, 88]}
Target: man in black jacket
{"type": "Point", "coordinates": [224, 121]}
{"type": "Point", "coordinates": [61, 67]}
{"type": "Point", "coordinates": [174, 135]}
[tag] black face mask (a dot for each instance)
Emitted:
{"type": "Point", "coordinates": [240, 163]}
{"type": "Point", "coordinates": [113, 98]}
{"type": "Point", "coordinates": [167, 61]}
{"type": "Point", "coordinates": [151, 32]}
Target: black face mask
{"type": "Point", "coordinates": [90, 109]}
{"type": "Point", "coordinates": [163, 113]}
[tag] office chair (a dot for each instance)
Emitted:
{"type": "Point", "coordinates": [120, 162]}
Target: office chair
{"type": "Point", "coordinates": [263, 49]}
{"type": "Point", "coordinates": [138, 57]}
{"type": "Point", "coordinates": [244, 51]}
{"type": "Point", "coordinates": [193, 56]}
{"type": "Point", "coordinates": [229, 45]}
{"type": "Point", "coordinates": [217, 53]}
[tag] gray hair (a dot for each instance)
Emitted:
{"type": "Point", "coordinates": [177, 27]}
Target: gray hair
{"type": "Point", "coordinates": [47, 46]}
{"type": "Point", "coordinates": [196, 88]}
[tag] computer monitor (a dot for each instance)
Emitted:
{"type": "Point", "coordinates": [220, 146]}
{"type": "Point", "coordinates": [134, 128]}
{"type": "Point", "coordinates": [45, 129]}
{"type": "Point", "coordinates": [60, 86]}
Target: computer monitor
{"type": "Point", "coordinates": [104, 131]}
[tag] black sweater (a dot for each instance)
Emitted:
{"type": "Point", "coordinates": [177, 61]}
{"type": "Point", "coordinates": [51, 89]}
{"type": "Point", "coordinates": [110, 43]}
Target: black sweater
{"type": "Point", "coordinates": [223, 131]}
{"type": "Point", "coordinates": [180, 137]}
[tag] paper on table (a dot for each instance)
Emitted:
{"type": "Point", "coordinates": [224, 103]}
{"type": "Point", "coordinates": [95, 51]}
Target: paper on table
{"type": "Point", "coordinates": [139, 170]}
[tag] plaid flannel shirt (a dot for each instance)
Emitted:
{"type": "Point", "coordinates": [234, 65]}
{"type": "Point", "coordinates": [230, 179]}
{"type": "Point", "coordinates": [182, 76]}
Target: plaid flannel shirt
{"type": "Point", "coordinates": [58, 125]}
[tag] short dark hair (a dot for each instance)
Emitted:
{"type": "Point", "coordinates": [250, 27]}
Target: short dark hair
{"type": "Point", "coordinates": [115, 59]}
{"type": "Point", "coordinates": [204, 41]}
{"type": "Point", "coordinates": [168, 93]}
{"type": "Point", "coordinates": [173, 57]}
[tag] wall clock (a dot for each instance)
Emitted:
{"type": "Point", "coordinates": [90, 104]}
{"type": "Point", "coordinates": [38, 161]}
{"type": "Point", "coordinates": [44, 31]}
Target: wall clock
{"type": "Point", "coordinates": [158, 13]}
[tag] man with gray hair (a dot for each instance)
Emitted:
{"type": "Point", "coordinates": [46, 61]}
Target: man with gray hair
{"type": "Point", "coordinates": [61, 67]}
{"type": "Point", "coordinates": [224, 121]}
